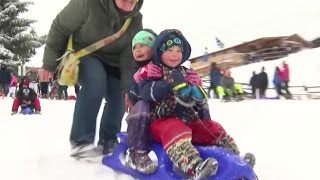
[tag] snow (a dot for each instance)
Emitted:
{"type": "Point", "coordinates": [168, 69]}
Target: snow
{"type": "Point", "coordinates": [5, 52]}
{"type": "Point", "coordinates": [283, 134]}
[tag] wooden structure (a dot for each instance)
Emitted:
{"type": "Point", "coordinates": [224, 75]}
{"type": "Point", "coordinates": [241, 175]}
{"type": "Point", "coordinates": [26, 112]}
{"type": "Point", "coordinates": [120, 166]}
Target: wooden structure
{"type": "Point", "coordinates": [261, 49]}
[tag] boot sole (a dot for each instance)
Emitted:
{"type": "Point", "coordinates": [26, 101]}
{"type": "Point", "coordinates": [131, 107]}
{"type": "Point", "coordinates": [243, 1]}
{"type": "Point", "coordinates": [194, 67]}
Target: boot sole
{"type": "Point", "coordinates": [210, 167]}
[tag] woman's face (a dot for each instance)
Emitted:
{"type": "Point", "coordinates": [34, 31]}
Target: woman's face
{"type": "Point", "coordinates": [126, 5]}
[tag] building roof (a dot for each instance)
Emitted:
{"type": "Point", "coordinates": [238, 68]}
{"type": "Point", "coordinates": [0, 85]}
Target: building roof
{"type": "Point", "coordinates": [260, 43]}
{"type": "Point", "coordinates": [267, 48]}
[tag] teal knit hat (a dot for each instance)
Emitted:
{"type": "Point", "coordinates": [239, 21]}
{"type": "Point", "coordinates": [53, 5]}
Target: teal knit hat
{"type": "Point", "coordinates": [143, 37]}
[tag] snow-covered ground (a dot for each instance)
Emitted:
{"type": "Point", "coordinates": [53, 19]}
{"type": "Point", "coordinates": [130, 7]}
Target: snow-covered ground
{"type": "Point", "coordinates": [283, 134]}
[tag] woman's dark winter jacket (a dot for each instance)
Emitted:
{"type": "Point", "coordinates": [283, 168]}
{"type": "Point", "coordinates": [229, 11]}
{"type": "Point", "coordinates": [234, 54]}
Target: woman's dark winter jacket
{"type": "Point", "coordinates": [90, 21]}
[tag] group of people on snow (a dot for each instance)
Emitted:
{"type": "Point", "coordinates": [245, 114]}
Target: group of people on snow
{"type": "Point", "coordinates": [260, 82]}
{"type": "Point", "coordinates": [140, 73]}
{"type": "Point", "coordinates": [223, 84]}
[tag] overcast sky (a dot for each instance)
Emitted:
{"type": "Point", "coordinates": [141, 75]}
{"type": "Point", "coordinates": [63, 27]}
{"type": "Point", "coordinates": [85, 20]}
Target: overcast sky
{"type": "Point", "coordinates": [233, 21]}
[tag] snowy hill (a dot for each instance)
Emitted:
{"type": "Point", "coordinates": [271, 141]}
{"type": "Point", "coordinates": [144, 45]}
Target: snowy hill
{"type": "Point", "coordinates": [283, 134]}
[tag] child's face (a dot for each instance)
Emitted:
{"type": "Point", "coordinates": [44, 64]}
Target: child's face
{"type": "Point", "coordinates": [142, 52]}
{"type": "Point", "coordinates": [172, 57]}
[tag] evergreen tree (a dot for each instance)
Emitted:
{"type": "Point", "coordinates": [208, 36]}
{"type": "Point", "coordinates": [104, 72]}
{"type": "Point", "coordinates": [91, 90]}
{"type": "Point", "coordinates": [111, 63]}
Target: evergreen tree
{"type": "Point", "coordinates": [18, 39]}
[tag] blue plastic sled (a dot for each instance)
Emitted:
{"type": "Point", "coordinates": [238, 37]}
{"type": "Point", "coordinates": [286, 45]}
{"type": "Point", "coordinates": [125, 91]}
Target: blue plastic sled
{"type": "Point", "coordinates": [231, 167]}
{"type": "Point", "coordinates": [27, 110]}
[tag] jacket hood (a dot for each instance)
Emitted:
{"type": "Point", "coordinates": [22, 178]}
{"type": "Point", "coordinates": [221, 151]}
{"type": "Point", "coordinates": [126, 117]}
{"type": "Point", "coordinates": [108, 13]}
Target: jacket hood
{"type": "Point", "coordinates": [156, 54]}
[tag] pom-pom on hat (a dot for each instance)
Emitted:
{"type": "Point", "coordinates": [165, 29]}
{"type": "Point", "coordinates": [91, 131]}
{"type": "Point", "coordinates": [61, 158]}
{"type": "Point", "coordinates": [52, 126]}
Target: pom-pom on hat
{"type": "Point", "coordinates": [145, 36]}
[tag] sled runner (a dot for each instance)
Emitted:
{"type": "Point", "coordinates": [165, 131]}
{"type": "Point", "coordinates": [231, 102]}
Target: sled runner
{"type": "Point", "coordinates": [231, 166]}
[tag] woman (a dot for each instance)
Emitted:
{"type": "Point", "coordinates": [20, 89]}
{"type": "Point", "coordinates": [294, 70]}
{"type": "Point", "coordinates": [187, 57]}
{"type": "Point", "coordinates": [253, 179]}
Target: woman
{"type": "Point", "coordinates": [102, 74]}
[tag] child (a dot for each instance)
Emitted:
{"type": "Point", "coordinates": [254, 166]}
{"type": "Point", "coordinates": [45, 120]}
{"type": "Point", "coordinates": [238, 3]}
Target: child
{"type": "Point", "coordinates": [175, 120]}
{"type": "Point", "coordinates": [13, 85]}
{"type": "Point", "coordinates": [138, 118]}
{"type": "Point", "coordinates": [54, 89]}
{"type": "Point", "coordinates": [26, 97]}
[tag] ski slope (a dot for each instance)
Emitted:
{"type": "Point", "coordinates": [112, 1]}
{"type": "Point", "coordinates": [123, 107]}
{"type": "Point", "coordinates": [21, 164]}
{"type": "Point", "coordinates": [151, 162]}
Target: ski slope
{"type": "Point", "coordinates": [283, 134]}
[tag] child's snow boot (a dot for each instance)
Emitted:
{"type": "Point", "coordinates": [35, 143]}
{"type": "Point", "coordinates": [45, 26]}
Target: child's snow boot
{"type": "Point", "coordinates": [250, 158]}
{"type": "Point", "coordinates": [140, 161]}
{"type": "Point", "coordinates": [206, 168]}
{"type": "Point", "coordinates": [187, 158]}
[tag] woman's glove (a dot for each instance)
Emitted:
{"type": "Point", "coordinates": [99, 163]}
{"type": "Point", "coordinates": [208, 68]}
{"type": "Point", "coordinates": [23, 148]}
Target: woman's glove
{"type": "Point", "coordinates": [151, 71]}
